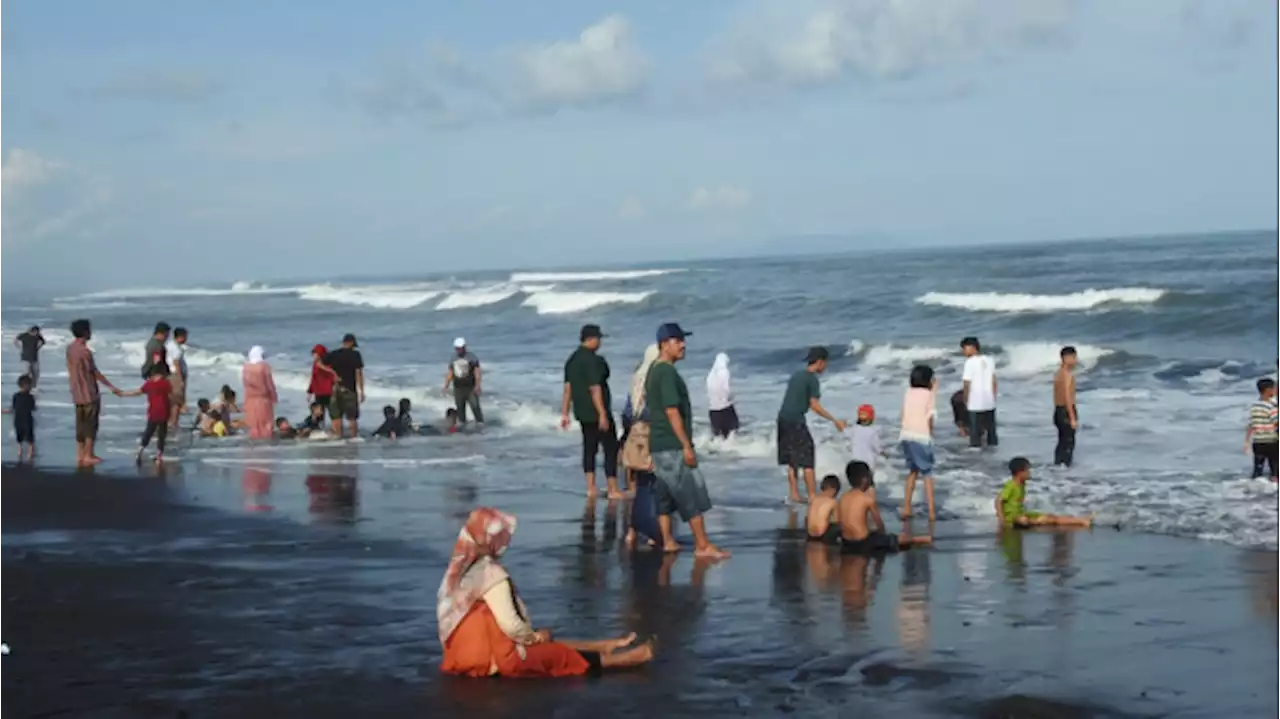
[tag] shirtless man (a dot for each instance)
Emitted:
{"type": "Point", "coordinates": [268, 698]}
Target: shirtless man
{"type": "Point", "coordinates": [856, 506]}
{"type": "Point", "coordinates": [822, 523]}
{"type": "Point", "coordinates": [1064, 408]}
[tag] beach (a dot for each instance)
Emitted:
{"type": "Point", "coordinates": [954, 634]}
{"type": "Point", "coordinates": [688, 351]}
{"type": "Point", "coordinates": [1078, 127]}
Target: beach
{"type": "Point", "coordinates": [245, 592]}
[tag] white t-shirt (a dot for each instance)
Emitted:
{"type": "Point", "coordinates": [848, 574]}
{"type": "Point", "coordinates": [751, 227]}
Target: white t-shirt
{"type": "Point", "coordinates": [865, 441]}
{"type": "Point", "coordinates": [980, 373]}
{"type": "Point", "coordinates": [177, 356]}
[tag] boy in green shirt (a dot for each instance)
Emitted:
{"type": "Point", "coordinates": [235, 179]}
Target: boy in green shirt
{"type": "Point", "coordinates": [1011, 511]}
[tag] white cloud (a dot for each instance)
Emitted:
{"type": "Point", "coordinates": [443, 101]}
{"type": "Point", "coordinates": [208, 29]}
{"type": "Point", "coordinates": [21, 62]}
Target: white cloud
{"type": "Point", "coordinates": [601, 65]}
{"type": "Point", "coordinates": [724, 197]}
{"type": "Point", "coordinates": [44, 198]}
{"type": "Point", "coordinates": [168, 85]}
{"type": "Point", "coordinates": [883, 39]}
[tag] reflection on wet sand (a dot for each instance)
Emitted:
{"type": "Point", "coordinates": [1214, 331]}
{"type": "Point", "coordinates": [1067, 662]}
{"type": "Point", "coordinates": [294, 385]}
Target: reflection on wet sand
{"type": "Point", "coordinates": [1010, 542]}
{"type": "Point", "coordinates": [658, 606]}
{"type": "Point", "coordinates": [256, 486]}
{"type": "Point", "coordinates": [857, 590]}
{"type": "Point", "coordinates": [1263, 573]}
{"type": "Point", "coordinates": [913, 603]}
{"type": "Point", "coordinates": [332, 497]}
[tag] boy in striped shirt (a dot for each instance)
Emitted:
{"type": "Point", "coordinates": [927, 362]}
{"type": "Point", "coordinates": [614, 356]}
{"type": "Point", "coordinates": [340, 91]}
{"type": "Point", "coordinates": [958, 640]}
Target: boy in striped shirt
{"type": "Point", "coordinates": [1261, 437]}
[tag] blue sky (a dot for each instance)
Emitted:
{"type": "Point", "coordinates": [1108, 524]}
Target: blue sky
{"type": "Point", "coordinates": [161, 143]}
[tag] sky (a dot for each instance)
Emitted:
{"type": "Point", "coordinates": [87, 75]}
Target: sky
{"type": "Point", "coordinates": [162, 143]}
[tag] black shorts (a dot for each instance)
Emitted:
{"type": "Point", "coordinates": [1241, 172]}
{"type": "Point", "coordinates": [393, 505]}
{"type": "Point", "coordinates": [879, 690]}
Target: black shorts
{"type": "Point", "coordinates": [831, 536]}
{"type": "Point", "coordinates": [874, 543]}
{"type": "Point", "coordinates": [26, 433]}
{"type": "Point", "coordinates": [795, 445]}
{"type": "Point", "coordinates": [724, 422]}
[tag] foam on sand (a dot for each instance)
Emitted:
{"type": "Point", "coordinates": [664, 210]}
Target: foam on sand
{"type": "Point", "coordinates": [1014, 303]}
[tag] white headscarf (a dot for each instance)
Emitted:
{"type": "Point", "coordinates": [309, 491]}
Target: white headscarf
{"type": "Point", "coordinates": [651, 354]}
{"type": "Point", "coordinates": [719, 396]}
{"type": "Point", "coordinates": [256, 355]}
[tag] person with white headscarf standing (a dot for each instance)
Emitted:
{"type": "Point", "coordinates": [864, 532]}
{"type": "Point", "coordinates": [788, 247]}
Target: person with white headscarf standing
{"type": "Point", "coordinates": [259, 395]}
{"type": "Point", "coordinates": [724, 418]}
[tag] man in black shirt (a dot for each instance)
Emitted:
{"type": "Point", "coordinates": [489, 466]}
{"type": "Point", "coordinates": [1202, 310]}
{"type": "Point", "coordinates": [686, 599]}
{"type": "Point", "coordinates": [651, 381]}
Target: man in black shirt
{"type": "Point", "coordinates": [586, 392]}
{"type": "Point", "coordinates": [30, 343]}
{"type": "Point", "coordinates": [348, 394]}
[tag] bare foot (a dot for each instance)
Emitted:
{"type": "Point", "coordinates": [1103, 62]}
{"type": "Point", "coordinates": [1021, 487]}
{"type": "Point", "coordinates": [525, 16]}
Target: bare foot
{"type": "Point", "coordinates": [795, 499]}
{"type": "Point", "coordinates": [630, 541]}
{"type": "Point", "coordinates": [671, 548]}
{"type": "Point", "coordinates": [904, 515]}
{"type": "Point", "coordinates": [592, 491]}
{"type": "Point", "coordinates": [621, 642]}
{"type": "Point", "coordinates": [711, 551]}
{"type": "Point", "coordinates": [95, 459]}
{"type": "Point", "coordinates": [615, 494]}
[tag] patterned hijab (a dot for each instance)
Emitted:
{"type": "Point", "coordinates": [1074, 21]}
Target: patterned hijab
{"type": "Point", "coordinates": [474, 568]}
{"type": "Point", "coordinates": [638, 400]}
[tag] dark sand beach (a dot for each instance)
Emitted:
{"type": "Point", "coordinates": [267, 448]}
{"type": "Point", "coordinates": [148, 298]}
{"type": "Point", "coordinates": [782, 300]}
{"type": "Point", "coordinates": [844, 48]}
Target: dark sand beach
{"type": "Point", "coordinates": [253, 594]}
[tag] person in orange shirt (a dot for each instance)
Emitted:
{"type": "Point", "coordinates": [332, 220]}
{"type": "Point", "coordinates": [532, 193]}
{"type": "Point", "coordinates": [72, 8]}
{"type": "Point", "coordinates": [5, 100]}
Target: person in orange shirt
{"type": "Point", "coordinates": [485, 628]}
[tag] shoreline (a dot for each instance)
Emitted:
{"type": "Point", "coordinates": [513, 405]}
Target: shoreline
{"type": "Point", "coordinates": [175, 607]}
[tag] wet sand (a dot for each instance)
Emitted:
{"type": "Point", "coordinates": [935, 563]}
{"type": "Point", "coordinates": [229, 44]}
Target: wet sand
{"type": "Point", "coordinates": [161, 596]}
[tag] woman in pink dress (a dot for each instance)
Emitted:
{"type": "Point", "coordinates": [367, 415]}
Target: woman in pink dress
{"type": "Point", "coordinates": [259, 395]}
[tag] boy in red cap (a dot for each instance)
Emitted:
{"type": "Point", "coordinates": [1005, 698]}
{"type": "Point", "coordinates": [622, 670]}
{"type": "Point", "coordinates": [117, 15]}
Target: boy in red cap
{"type": "Point", "coordinates": [865, 438]}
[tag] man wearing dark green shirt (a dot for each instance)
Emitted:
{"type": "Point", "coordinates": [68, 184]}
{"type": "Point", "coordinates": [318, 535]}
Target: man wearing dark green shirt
{"type": "Point", "coordinates": [680, 486]}
{"type": "Point", "coordinates": [795, 444]}
{"type": "Point", "coordinates": [586, 390]}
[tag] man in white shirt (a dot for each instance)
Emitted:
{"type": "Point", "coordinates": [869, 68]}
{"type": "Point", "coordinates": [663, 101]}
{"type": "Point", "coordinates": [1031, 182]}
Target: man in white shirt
{"type": "Point", "coordinates": [979, 393]}
{"type": "Point", "coordinates": [176, 354]}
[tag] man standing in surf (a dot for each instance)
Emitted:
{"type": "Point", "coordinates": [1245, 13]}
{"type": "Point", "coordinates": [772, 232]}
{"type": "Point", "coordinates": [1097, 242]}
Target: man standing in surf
{"type": "Point", "coordinates": [795, 443]}
{"type": "Point", "coordinates": [586, 389]}
{"type": "Point", "coordinates": [1064, 408]}
{"type": "Point", "coordinates": [979, 393]}
{"type": "Point", "coordinates": [680, 486]}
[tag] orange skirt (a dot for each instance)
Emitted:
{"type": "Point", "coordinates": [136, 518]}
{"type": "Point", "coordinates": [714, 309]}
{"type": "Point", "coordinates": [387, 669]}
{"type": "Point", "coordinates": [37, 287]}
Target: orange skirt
{"type": "Point", "coordinates": [479, 648]}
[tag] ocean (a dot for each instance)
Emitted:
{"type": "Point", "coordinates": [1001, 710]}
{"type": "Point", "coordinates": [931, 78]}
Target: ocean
{"type": "Point", "coordinates": [1172, 334]}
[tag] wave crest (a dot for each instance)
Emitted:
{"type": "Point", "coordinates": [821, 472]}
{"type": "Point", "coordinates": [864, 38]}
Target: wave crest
{"type": "Point", "coordinates": [1014, 302]}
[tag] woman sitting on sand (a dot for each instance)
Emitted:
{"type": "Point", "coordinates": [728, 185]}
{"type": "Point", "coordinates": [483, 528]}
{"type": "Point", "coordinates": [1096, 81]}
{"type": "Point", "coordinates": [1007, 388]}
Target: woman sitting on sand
{"type": "Point", "coordinates": [484, 626]}
{"type": "Point", "coordinates": [259, 395]}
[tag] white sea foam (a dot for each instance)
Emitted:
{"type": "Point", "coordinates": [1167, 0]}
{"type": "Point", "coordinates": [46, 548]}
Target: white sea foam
{"type": "Point", "coordinates": [336, 461]}
{"type": "Point", "coordinates": [479, 297]}
{"type": "Point", "coordinates": [1031, 358]}
{"type": "Point", "coordinates": [1015, 303]}
{"type": "Point", "coordinates": [239, 288]}
{"type": "Point", "coordinates": [556, 303]}
{"type": "Point", "coordinates": [390, 297]}
{"type": "Point", "coordinates": [588, 276]}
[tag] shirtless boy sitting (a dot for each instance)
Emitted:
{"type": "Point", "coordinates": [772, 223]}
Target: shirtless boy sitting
{"type": "Point", "coordinates": [856, 506]}
{"type": "Point", "coordinates": [823, 522]}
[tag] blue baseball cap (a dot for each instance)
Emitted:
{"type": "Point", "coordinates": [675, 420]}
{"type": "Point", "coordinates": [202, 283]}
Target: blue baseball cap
{"type": "Point", "coordinates": [671, 331]}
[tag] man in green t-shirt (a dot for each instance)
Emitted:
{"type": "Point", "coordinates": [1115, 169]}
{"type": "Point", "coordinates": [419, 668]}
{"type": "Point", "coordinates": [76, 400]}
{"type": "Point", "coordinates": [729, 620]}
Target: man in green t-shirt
{"type": "Point", "coordinates": [586, 390]}
{"type": "Point", "coordinates": [795, 444]}
{"type": "Point", "coordinates": [1010, 505]}
{"type": "Point", "coordinates": [680, 486]}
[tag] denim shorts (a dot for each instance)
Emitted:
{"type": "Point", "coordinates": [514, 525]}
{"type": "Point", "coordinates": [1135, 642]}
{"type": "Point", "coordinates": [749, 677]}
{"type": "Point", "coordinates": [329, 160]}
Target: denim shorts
{"type": "Point", "coordinates": [919, 456]}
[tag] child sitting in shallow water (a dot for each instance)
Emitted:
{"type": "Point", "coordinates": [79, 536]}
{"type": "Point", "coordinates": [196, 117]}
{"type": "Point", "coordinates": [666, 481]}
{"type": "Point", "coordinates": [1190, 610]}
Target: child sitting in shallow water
{"type": "Point", "coordinates": [1011, 511]}
{"type": "Point", "coordinates": [822, 524]}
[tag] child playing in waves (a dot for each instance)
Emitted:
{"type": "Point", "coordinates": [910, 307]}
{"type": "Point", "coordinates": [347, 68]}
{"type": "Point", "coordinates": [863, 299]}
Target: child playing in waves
{"type": "Point", "coordinates": [1262, 437]}
{"type": "Point", "coordinates": [407, 425]}
{"type": "Point", "coordinates": [203, 422]}
{"type": "Point", "coordinates": [960, 413]}
{"type": "Point", "coordinates": [23, 409]}
{"type": "Point", "coordinates": [284, 430]}
{"type": "Point", "coordinates": [822, 523]}
{"type": "Point", "coordinates": [859, 504]}
{"type": "Point", "coordinates": [865, 438]}
{"type": "Point", "coordinates": [314, 421]}
{"type": "Point", "coordinates": [390, 424]}
{"type": "Point", "coordinates": [1012, 512]}
{"type": "Point", "coordinates": [159, 398]}
{"type": "Point", "coordinates": [226, 407]}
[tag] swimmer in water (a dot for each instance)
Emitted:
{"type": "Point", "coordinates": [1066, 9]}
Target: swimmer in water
{"type": "Point", "coordinates": [390, 428]}
{"type": "Point", "coordinates": [856, 506]}
{"type": "Point", "coordinates": [314, 421]}
{"type": "Point", "coordinates": [284, 430]}
{"type": "Point", "coordinates": [1011, 511]}
{"type": "Point", "coordinates": [407, 425]}
{"type": "Point", "coordinates": [822, 523]}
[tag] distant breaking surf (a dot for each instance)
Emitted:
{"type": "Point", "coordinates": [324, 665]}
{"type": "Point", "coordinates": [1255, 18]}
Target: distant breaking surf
{"type": "Point", "coordinates": [588, 276]}
{"type": "Point", "coordinates": [1011, 303]}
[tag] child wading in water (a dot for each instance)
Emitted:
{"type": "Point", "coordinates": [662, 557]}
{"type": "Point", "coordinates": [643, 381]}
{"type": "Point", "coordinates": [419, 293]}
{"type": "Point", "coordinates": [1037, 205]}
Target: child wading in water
{"type": "Point", "coordinates": [822, 523]}
{"type": "Point", "coordinates": [919, 411]}
{"type": "Point", "coordinates": [23, 409]}
{"type": "Point", "coordinates": [1011, 510]}
{"type": "Point", "coordinates": [857, 535]}
{"type": "Point", "coordinates": [1261, 436]}
{"type": "Point", "coordinates": [159, 401]}
{"type": "Point", "coordinates": [865, 438]}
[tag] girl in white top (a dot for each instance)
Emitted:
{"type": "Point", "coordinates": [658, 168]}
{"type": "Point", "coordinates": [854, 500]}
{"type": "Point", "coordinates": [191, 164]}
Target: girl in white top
{"type": "Point", "coordinates": [724, 418]}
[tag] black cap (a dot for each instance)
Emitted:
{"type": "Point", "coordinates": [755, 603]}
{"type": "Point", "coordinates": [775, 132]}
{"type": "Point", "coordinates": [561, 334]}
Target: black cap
{"type": "Point", "coordinates": [671, 331]}
{"type": "Point", "coordinates": [590, 332]}
{"type": "Point", "coordinates": [350, 338]}
{"type": "Point", "coordinates": [816, 354]}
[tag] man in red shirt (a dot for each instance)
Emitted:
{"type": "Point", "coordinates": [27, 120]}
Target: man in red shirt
{"type": "Point", "coordinates": [159, 398]}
